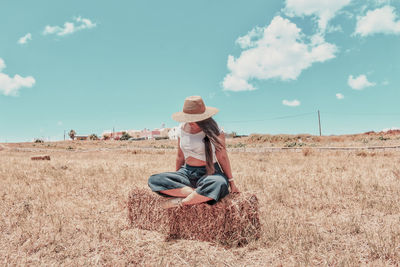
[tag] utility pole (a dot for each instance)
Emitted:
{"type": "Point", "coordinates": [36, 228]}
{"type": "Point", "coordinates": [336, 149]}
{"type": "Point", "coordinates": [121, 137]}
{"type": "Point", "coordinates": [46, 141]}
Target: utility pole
{"type": "Point", "coordinates": [64, 135]}
{"type": "Point", "coordinates": [319, 122]}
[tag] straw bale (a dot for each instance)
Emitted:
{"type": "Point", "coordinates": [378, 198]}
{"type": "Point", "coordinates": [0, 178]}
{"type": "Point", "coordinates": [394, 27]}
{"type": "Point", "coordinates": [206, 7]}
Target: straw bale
{"type": "Point", "coordinates": [40, 158]}
{"type": "Point", "coordinates": [145, 211]}
{"type": "Point", "coordinates": [233, 221]}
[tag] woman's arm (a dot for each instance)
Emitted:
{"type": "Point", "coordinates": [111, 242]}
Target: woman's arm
{"type": "Point", "coordinates": [180, 158]}
{"type": "Point", "coordinates": [223, 159]}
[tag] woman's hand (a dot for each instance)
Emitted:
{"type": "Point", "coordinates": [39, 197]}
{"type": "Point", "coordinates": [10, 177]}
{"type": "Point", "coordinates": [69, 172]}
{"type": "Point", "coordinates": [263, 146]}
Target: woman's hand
{"type": "Point", "coordinates": [234, 189]}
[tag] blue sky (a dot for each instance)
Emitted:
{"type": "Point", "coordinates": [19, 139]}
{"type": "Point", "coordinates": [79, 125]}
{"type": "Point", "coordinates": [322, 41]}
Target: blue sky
{"type": "Point", "coordinates": [267, 65]}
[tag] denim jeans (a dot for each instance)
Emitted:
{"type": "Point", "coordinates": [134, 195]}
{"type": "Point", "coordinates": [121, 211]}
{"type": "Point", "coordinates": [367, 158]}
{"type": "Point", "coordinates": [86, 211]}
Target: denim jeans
{"type": "Point", "coordinates": [214, 186]}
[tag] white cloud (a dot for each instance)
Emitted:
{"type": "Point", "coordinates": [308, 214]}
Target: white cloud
{"type": "Point", "coordinates": [339, 96]}
{"type": "Point", "coordinates": [70, 27]}
{"type": "Point", "coordinates": [51, 29]}
{"type": "Point", "coordinates": [346, 13]}
{"type": "Point", "coordinates": [360, 82]}
{"type": "Point", "coordinates": [279, 50]}
{"type": "Point", "coordinates": [11, 85]}
{"type": "Point", "coordinates": [336, 28]}
{"type": "Point", "coordinates": [293, 103]}
{"type": "Point", "coordinates": [324, 10]}
{"type": "Point", "coordinates": [234, 83]}
{"type": "Point", "coordinates": [86, 23]}
{"type": "Point", "coordinates": [24, 39]}
{"type": "Point", "coordinates": [381, 20]}
{"type": "Point", "coordinates": [249, 39]}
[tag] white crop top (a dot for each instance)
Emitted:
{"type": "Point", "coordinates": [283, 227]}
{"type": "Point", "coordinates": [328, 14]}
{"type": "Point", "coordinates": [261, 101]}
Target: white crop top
{"type": "Point", "coordinates": [192, 145]}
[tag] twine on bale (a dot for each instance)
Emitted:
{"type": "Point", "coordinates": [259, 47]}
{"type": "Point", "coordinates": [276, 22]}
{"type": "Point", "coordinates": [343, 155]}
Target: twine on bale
{"type": "Point", "coordinates": [233, 221]}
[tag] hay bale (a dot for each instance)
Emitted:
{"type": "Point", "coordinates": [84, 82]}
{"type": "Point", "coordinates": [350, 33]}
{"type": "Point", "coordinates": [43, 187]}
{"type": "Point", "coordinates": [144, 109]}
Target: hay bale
{"type": "Point", "coordinates": [41, 158]}
{"type": "Point", "coordinates": [145, 211]}
{"type": "Point", "coordinates": [233, 221]}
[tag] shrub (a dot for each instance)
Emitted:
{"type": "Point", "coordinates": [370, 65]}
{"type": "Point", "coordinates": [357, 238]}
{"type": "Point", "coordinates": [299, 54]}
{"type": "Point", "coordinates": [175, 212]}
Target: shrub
{"type": "Point", "coordinates": [240, 145]}
{"type": "Point", "coordinates": [362, 154]}
{"type": "Point", "coordinates": [93, 137]}
{"type": "Point", "coordinates": [72, 134]}
{"type": "Point", "coordinates": [292, 144]}
{"type": "Point", "coordinates": [125, 136]}
{"type": "Point", "coordinates": [161, 137]}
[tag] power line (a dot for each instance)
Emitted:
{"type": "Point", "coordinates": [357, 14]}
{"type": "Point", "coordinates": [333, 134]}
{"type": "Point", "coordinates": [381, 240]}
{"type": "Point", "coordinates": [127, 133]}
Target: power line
{"type": "Point", "coordinates": [274, 118]}
{"type": "Point", "coordinates": [319, 123]}
{"type": "Point", "coordinates": [311, 113]}
{"type": "Point", "coordinates": [362, 114]}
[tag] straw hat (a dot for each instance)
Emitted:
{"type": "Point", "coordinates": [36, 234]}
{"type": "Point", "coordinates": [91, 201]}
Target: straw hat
{"type": "Point", "coordinates": [194, 110]}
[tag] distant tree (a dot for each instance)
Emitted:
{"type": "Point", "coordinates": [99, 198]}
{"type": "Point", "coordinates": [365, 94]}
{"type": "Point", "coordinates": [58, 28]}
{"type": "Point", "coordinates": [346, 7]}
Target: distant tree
{"type": "Point", "coordinates": [93, 137]}
{"type": "Point", "coordinates": [38, 140]}
{"type": "Point", "coordinates": [72, 134]}
{"type": "Point", "coordinates": [125, 136]}
{"type": "Point", "coordinates": [231, 135]}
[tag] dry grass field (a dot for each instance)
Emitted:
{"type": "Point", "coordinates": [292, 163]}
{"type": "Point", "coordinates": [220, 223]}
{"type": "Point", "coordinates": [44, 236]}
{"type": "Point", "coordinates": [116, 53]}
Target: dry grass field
{"type": "Point", "coordinates": [316, 207]}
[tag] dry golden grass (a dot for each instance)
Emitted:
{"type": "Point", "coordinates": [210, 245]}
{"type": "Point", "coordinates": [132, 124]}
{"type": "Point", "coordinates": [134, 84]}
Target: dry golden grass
{"type": "Point", "coordinates": [316, 208]}
{"type": "Point", "coordinates": [307, 140]}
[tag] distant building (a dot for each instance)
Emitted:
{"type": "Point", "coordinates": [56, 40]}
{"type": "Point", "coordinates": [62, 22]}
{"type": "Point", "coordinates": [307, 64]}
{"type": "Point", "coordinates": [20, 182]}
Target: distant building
{"type": "Point", "coordinates": [154, 134]}
{"type": "Point", "coordinates": [112, 135]}
{"type": "Point", "coordinates": [150, 134]}
{"type": "Point", "coordinates": [145, 133]}
{"type": "Point", "coordinates": [173, 133]}
{"type": "Point", "coordinates": [117, 135]}
{"type": "Point", "coordinates": [164, 132]}
{"type": "Point", "coordinates": [134, 133]}
{"type": "Point", "coordinates": [81, 137]}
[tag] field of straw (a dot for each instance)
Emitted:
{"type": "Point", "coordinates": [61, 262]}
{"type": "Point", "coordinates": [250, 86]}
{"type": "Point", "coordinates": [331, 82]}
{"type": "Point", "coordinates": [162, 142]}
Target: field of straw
{"type": "Point", "coordinates": [316, 207]}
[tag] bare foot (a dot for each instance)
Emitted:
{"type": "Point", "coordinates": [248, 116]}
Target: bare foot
{"type": "Point", "coordinates": [172, 203]}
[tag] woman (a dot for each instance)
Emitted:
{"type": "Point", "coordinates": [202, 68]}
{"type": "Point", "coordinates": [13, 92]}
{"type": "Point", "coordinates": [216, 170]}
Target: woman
{"type": "Point", "coordinates": [201, 146]}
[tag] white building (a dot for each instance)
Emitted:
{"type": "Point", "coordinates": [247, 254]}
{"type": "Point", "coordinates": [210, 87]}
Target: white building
{"type": "Point", "coordinates": [135, 133]}
{"type": "Point", "coordinates": [173, 133]}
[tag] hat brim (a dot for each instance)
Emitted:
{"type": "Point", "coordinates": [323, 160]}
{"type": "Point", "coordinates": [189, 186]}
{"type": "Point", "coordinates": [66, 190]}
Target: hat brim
{"type": "Point", "coordinates": [185, 117]}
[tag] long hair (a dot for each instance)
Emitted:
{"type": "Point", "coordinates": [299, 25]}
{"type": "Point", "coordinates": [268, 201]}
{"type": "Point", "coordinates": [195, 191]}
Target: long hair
{"type": "Point", "coordinates": [211, 130]}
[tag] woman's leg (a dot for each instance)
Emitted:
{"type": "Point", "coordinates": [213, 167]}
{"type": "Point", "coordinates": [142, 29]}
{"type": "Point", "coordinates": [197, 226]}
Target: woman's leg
{"type": "Point", "coordinates": [210, 188]}
{"type": "Point", "coordinates": [174, 184]}
{"type": "Point", "coordinates": [191, 199]}
{"type": "Point", "coordinates": [195, 198]}
{"type": "Point", "coordinates": [178, 192]}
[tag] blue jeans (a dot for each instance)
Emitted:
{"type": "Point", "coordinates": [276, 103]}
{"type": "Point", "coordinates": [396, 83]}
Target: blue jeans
{"type": "Point", "coordinates": [214, 186]}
